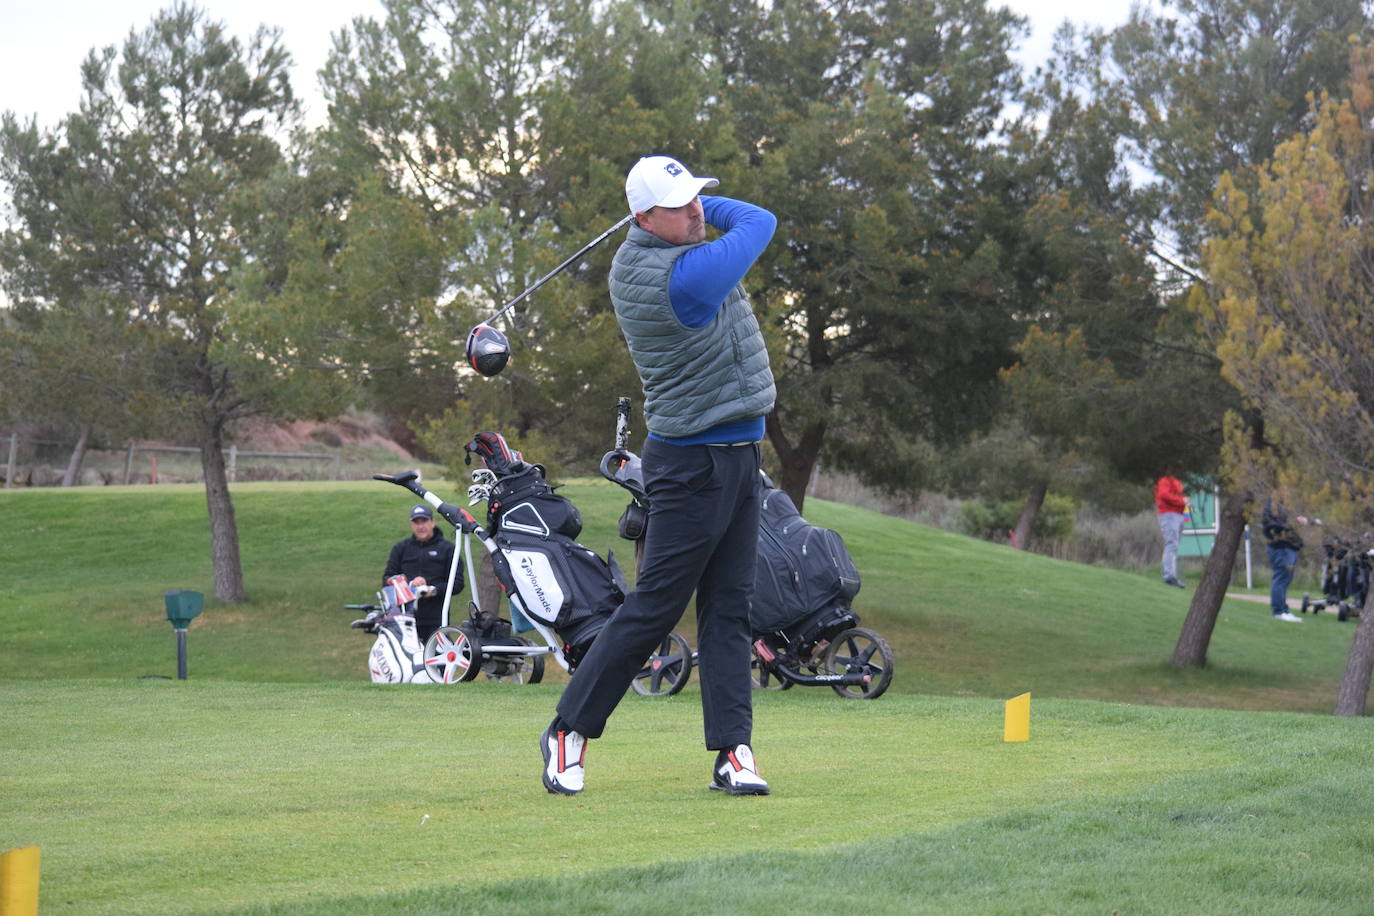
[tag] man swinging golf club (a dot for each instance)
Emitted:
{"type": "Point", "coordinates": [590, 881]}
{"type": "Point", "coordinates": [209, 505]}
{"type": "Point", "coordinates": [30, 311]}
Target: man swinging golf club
{"type": "Point", "coordinates": [707, 389]}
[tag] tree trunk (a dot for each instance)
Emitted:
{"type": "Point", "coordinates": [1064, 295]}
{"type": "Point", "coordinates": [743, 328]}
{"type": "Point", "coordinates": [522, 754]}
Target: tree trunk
{"type": "Point", "coordinates": [1196, 635]}
{"type": "Point", "coordinates": [78, 456]}
{"type": "Point", "coordinates": [224, 532]}
{"type": "Point", "coordinates": [1359, 665]}
{"type": "Point", "coordinates": [1020, 538]}
{"type": "Point", "coordinates": [486, 588]}
{"type": "Point", "coordinates": [798, 459]}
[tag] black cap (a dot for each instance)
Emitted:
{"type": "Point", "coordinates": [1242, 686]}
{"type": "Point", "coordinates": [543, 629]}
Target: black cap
{"type": "Point", "coordinates": [421, 511]}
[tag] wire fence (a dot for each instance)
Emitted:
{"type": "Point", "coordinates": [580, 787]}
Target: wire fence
{"type": "Point", "coordinates": [39, 472]}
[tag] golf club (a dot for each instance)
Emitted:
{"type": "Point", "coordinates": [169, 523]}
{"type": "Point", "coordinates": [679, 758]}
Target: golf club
{"type": "Point", "coordinates": [488, 350]}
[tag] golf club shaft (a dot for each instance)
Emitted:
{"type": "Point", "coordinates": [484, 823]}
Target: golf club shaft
{"type": "Point", "coordinates": [561, 267]}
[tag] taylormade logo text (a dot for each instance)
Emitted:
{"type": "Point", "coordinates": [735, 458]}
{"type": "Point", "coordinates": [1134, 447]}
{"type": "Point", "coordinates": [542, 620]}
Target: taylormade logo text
{"type": "Point", "coordinates": [532, 578]}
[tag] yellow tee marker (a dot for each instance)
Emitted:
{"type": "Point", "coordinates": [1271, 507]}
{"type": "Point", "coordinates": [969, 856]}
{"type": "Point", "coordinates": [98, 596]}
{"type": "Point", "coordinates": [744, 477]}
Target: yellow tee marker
{"type": "Point", "coordinates": [1016, 725]}
{"type": "Point", "coordinates": [19, 882]}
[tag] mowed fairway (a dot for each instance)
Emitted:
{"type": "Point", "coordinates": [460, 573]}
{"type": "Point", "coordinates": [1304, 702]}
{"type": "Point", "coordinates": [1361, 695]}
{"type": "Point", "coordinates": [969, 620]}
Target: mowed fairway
{"type": "Point", "coordinates": [171, 798]}
{"type": "Point", "coordinates": [277, 779]}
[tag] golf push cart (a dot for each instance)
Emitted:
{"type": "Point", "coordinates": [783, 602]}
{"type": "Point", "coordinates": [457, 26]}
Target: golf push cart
{"type": "Point", "coordinates": [1345, 581]}
{"type": "Point", "coordinates": [804, 628]}
{"type": "Point", "coordinates": [556, 587]}
{"type": "Point", "coordinates": [398, 657]}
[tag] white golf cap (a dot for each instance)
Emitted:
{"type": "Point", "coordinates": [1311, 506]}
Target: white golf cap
{"type": "Point", "coordinates": [662, 181]}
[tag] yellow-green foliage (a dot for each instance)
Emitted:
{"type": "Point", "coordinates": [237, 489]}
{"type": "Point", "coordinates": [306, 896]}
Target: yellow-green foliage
{"type": "Point", "coordinates": [1292, 264]}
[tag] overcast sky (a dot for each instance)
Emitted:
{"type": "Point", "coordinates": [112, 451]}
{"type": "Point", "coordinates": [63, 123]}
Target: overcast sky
{"type": "Point", "coordinates": [42, 42]}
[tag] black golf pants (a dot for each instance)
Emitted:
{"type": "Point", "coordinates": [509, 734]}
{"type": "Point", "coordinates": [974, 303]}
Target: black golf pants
{"type": "Point", "coordinates": [703, 536]}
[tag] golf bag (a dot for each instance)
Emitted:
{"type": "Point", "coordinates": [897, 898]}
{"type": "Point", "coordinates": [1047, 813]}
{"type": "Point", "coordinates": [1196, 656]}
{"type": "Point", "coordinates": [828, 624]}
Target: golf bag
{"type": "Point", "coordinates": [1345, 579]}
{"type": "Point", "coordinates": [397, 655]}
{"type": "Point", "coordinates": [549, 577]}
{"type": "Point", "coordinates": [805, 580]}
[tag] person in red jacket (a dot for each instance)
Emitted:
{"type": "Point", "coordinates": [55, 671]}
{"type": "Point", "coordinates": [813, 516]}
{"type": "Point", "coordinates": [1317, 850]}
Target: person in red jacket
{"type": "Point", "coordinates": [1171, 505]}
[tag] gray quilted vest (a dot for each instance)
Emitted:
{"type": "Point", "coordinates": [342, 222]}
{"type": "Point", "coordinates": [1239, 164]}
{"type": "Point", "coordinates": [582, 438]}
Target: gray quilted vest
{"type": "Point", "coordinates": [693, 378]}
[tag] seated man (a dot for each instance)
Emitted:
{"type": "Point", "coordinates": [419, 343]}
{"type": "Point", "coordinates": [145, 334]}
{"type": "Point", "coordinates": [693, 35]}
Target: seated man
{"type": "Point", "coordinates": [425, 559]}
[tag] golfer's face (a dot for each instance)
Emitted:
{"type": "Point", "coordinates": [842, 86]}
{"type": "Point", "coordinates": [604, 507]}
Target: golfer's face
{"type": "Point", "coordinates": [422, 528]}
{"type": "Point", "coordinates": [685, 225]}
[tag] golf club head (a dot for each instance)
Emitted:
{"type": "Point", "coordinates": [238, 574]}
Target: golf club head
{"type": "Point", "coordinates": [488, 350]}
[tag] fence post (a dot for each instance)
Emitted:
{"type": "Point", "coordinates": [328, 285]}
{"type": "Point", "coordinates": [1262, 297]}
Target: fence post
{"type": "Point", "coordinates": [9, 471]}
{"type": "Point", "coordinates": [233, 468]}
{"type": "Point", "coordinates": [129, 462]}
{"type": "Point", "coordinates": [338, 462]}
{"type": "Point", "coordinates": [1249, 582]}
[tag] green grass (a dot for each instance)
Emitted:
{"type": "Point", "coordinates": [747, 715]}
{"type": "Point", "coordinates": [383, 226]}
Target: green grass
{"type": "Point", "coordinates": [82, 573]}
{"type": "Point", "coordinates": [206, 796]}
{"type": "Point", "coordinates": [277, 779]}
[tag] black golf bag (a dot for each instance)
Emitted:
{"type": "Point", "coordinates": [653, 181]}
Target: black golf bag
{"type": "Point", "coordinates": [550, 577]}
{"type": "Point", "coordinates": [1345, 579]}
{"type": "Point", "coordinates": [805, 580]}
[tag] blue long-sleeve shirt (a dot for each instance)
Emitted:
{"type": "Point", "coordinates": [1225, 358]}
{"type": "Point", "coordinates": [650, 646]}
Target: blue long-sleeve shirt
{"type": "Point", "coordinates": [704, 276]}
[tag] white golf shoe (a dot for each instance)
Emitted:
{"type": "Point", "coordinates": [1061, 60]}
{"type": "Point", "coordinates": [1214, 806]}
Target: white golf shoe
{"type": "Point", "coordinates": [737, 773]}
{"type": "Point", "coordinates": [564, 753]}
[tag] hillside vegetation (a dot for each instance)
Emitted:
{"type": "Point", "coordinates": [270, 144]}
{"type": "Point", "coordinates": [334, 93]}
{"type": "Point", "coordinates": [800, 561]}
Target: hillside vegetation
{"type": "Point", "coordinates": [83, 571]}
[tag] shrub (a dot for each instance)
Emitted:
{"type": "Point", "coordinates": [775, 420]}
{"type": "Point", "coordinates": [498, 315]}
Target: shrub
{"type": "Point", "coordinates": [991, 520]}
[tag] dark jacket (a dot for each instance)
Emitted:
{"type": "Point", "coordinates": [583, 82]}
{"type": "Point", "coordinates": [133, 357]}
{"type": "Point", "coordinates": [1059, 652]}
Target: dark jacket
{"type": "Point", "coordinates": [430, 559]}
{"type": "Point", "coordinates": [1278, 531]}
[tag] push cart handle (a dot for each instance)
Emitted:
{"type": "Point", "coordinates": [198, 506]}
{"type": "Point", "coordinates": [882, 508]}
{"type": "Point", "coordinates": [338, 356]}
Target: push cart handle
{"type": "Point", "coordinates": [454, 515]}
{"type": "Point", "coordinates": [611, 463]}
{"type": "Point", "coordinates": [405, 478]}
{"type": "Point", "coordinates": [458, 517]}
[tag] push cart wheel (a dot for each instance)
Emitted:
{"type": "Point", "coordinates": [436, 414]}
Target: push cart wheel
{"type": "Point", "coordinates": [1306, 603]}
{"type": "Point", "coordinates": [764, 678]}
{"type": "Point", "coordinates": [515, 669]}
{"type": "Point", "coordinates": [860, 649]}
{"type": "Point", "coordinates": [452, 656]}
{"type": "Point", "coordinates": [1342, 612]}
{"type": "Point", "coordinates": [667, 670]}
{"type": "Point", "coordinates": [536, 663]}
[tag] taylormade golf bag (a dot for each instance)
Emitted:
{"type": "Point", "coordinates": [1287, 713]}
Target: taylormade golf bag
{"type": "Point", "coordinates": [397, 657]}
{"type": "Point", "coordinates": [548, 576]}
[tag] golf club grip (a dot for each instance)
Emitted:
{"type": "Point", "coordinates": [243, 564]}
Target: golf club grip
{"type": "Point", "coordinates": [622, 424]}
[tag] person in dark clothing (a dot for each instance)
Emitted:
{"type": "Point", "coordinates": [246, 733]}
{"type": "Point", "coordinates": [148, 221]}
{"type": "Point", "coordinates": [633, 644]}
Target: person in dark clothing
{"type": "Point", "coordinates": [425, 559]}
{"type": "Point", "coordinates": [707, 386]}
{"type": "Point", "coordinates": [1282, 544]}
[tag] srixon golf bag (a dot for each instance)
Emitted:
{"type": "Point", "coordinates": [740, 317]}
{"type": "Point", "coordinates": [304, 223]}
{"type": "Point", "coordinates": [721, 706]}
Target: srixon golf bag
{"type": "Point", "coordinates": [397, 656]}
{"type": "Point", "coordinates": [805, 579]}
{"type": "Point", "coordinates": [552, 578]}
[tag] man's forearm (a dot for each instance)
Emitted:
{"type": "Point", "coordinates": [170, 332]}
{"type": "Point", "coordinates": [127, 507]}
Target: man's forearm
{"type": "Point", "coordinates": [704, 276]}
